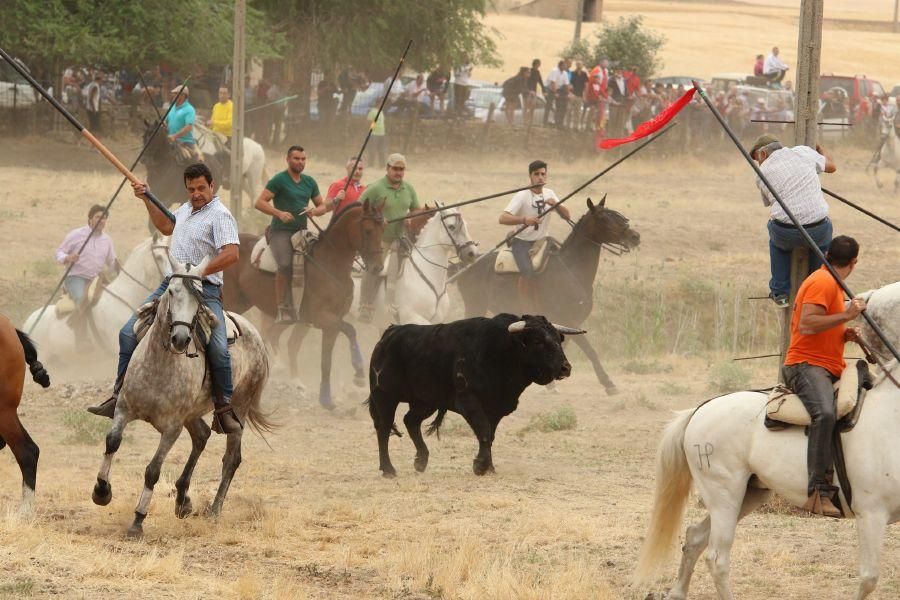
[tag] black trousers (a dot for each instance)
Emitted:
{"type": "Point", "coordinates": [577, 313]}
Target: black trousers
{"type": "Point", "coordinates": [815, 386]}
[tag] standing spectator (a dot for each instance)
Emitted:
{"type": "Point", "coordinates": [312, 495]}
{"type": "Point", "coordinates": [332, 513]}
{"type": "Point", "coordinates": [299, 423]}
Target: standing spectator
{"type": "Point", "coordinates": [515, 88]}
{"type": "Point", "coordinates": [534, 81]}
{"type": "Point", "coordinates": [596, 95]}
{"type": "Point", "coordinates": [348, 79]}
{"type": "Point", "coordinates": [461, 89]}
{"type": "Point", "coordinates": [325, 100]}
{"type": "Point", "coordinates": [578, 81]}
{"type": "Point", "coordinates": [222, 112]}
{"type": "Point", "coordinates": [555, 88]}
{"type": "Point", "coordinates": [415, 91]}
{"type": "Point", "coordinates": [276, 114]}
{"type": "Point", "coordinates": [774, 68]}
{"type": "Point", "coordinates": [618, 103]}
{"type": "Point", "coordinates": [379, 144]}
{"type": "Point", "coordinates": [759, 65]}
{"type": "Point", "coordinates": [437, 87]}
{"type": "Point", "coordinates": [98, 254]}
{"type": "Point", "coordinates": [92, 102]}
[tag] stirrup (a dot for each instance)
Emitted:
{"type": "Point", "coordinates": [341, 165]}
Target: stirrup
{"type": "Point", "coordinates": [106, 409]}
{"type": "Point", "coordinates": [220, 413]}
{"type": "Point", "coordinates": [285, 314]}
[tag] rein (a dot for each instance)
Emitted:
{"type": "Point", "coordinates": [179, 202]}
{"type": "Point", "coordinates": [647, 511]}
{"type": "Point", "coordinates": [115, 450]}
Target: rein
{"type": "Point", "coordinates": [873, 359]}
{"type": "Point", "coordinates": [196, 293]}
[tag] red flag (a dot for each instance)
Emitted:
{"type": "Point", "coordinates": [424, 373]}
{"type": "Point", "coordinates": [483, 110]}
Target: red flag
{"type": "Point", "coordinates": [653, 125]}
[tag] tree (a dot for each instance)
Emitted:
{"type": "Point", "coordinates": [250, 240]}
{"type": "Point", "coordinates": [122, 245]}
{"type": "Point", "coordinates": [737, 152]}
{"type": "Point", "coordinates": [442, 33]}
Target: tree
{"type": "Point", "coordinates": [626, 42]}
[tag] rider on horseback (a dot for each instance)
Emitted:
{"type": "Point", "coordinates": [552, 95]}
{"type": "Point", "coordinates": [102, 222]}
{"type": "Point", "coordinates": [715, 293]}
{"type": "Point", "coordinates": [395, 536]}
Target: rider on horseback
{"type": "Point", "coordinates": [203, 228]}
{"type": "Point", "coordinates": [286, 199]}
{"type": "Point", "coordinates": [815, 361]}
{"type": "Point", "coordinates": [180, 124]}
{"type": "Point", "coordinates": [97, 254]}
{"type": "Point", "coordinates": [398, 198]}
{"type": "Point", "coordinates": [525, 209]}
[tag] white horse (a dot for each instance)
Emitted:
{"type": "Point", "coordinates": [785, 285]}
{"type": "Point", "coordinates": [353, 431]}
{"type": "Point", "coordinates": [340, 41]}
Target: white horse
{"type": "Point", "coordinates": [420, 291]}
{"type": "Point", "coordinates": [171, 390]}
{"type": "Point", "coordinates": [888, 156]}
{"type": "Point", "coordinates": [254, 166]}
{"type": "Point", "coordinates": [141, 274]}
{"type": "Point", "coordinates": [736, 464]}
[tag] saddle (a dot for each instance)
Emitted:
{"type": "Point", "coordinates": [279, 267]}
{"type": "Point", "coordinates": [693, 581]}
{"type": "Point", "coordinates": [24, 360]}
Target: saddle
{"type": "Point", "coordinates": [784, 408]}
{"type": "Point", "coordinates": [146, 315]}
{"type": "Point", "coordinates": [261, 256]}
{"type": "Point", "coordinates": [539, 253]}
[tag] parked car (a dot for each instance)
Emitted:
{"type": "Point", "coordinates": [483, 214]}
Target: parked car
{"type": "Point", "coordinates": [895, 91]}
{"type": "Point", "coordinates": [676, 80]}
{"type": "Point", "coordinates": [15, 91]}
{"type": "Point", "coordinates": [861, 92]}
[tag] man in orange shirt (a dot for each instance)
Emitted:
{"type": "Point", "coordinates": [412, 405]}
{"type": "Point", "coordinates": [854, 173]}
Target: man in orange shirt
{"type": "Point", "coordinates": [815, 360]}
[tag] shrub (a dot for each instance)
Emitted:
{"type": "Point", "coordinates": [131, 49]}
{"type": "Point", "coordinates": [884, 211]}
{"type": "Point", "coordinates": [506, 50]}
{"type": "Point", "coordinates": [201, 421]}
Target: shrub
{"type": "Point", "coordinates": [84, 428]}
{"type": "Point", "coordinates": [556, 420]}
{"type": "Point", "coordinates": [728, 377]}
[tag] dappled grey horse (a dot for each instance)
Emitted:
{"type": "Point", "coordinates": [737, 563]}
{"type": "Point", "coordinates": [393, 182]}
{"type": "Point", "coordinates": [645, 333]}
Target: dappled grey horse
{"type": "Point", "coordinates": [170, 389]}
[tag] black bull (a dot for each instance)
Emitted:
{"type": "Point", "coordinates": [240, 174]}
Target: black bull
{"type": "Point", "coordinates": [475, 367]}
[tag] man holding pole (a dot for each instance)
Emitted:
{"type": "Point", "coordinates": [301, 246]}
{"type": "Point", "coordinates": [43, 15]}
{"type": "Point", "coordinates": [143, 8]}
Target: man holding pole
{"type": "Point", "coordinates": [794, 173]}
{"type": "Point", "coordinates": [203, 228]}
{"type": "Point", "coordinates": [815, 361]}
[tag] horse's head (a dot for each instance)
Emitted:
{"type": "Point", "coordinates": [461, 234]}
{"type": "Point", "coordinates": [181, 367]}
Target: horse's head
{"type": "Point", "coordinates": [606, 226]}
{"type": "Point", "coordinates": [157, 145]}
{"type": "Point", "coordinates": [184, 299]}
{"type": "Point", "coordinates": [371, 228]}
{"type": "Point", "coordinates": [454, 231]}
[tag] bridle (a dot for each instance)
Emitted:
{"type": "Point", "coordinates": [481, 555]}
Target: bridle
{"type": "Point", "coordinates": [196, 292]}
{"type": "Point", "coordinates": [617, 248]}
{"type": "Point", "coordinates": [458, 222]}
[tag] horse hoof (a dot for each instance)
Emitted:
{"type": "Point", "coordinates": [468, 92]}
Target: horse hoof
{"type": "Point", "coordinates": [612, 390]}
{"type": "Point", "coordinates": [184, 509]}
{"type": "Point", "coordinates": [389, 474]}
{"type": "Point", "coordinates": [420, 464]}
{"type": "Point", "coordinates": [359, 381]}
{"type": "Point", "coordinates": [102, 494]}
{"type": "Point", "coordinates": [482, 468]}
{"type": "Point", "coordinates": [135, 532]}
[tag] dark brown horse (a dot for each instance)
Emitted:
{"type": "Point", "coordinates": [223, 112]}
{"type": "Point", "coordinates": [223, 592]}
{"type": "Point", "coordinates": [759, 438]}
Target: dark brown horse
{"type": "Point", "coordinates": [566, 285]}
{"type": "Point", "coordinates": [328, 291]}
{"type": "Point", "coordinates": [17, 350]}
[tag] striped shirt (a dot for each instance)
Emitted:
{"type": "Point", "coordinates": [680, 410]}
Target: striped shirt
{"type": "Point", "coordinates": [203, 233]}
{"type": "Point", "coordinates": [794, 173]}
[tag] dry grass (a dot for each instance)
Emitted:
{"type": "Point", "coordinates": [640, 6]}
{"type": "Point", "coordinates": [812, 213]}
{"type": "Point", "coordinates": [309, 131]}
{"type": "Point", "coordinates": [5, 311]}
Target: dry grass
{"type": "Point", "coordinates": [565, 514]}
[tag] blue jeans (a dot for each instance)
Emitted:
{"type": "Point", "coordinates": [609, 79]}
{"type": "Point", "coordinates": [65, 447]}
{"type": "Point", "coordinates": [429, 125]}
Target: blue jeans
{"type": "Point", "coordinates": [520, 249]}
{"type": "Point", "coordinates": [784, 239]}
{"type": "Point", "coordinates": [216, 349]}
{"type": "Point", "coordinates": [76, 287]}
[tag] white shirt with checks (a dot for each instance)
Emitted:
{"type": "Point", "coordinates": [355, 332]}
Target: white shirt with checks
{"type": "Point", "coordinates": [203, 233]}
{"type": "Point", "coordinates": [794, 173]}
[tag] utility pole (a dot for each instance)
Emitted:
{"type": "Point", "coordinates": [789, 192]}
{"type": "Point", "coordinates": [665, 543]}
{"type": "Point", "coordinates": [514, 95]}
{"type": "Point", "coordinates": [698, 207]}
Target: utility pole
{"type": "Point", "coordinates": [809, 50]}
{"type": "Point", "coordinates": [579, 17]}
{"type": "Point", "coordinates": [896, 6]}
{"type": "Point", "coordinates": [237, 99]}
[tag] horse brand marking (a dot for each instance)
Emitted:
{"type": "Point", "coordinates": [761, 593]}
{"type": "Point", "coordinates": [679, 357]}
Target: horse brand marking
{"type": "Point", "coordinates": [705, 452]}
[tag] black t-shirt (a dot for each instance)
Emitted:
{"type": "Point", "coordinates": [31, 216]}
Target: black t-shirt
{"type": "Point", "coordinates": [578, 81]}
{"type": "Point", "coordinates": [535, 80]}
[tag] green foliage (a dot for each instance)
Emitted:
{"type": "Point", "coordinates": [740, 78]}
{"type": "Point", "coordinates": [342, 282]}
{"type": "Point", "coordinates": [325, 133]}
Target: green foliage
{"type": "Point", "coordinates": [51, 34]}
{"type": "Point", "coordinates": [629, 43]}
{"type": "Point", "coordinates": [84, 428]}
{"type": "Point", "coordinates": [728, 377]}
{"type": "Point", "coordinates": [626, 42]}
{"type": "Point", "coordinates": [561, 419]}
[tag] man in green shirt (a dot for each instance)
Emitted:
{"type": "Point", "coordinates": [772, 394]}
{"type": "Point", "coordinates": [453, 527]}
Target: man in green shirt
{"type": "Point", "coordinates": [398, 198]}
{"type": "Point", "coordinates": [286, 198]}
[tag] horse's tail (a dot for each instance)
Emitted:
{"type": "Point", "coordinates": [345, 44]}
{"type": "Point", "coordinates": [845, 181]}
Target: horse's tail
{"type": "Point", "coordinates": [435, 427]}
{"type": "Point", "coordinates": [260, 421]}
{"type": "Point", "coordinates": [38, 372]}
{"type": "Point", "coordinates": [673, 485]}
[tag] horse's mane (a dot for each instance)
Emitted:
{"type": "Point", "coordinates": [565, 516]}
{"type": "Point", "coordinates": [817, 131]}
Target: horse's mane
{"type": "Point", "coordinates": [570, 239]}
{"type": "Point", "coordinates": [340, 215]}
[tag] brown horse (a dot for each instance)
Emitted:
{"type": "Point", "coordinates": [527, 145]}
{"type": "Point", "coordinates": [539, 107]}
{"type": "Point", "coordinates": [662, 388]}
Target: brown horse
{"type": "Point", "coordinates": [17, 350]}
{"type": "Point", "coordinates": [328, 291]}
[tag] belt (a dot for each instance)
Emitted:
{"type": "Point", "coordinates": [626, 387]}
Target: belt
{"type": "Point", "coordinates": [805, 225]}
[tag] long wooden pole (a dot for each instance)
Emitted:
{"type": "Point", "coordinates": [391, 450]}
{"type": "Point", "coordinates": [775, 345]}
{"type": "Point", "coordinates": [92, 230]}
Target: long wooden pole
{"type": "Point", "coordinates": [87, 134]}
{"type": "Point", "coordinates": [237, 105]}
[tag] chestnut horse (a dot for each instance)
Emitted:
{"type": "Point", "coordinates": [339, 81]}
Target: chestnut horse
{"type": "Point", "coordinates": [17, 350]}
{"type": "Point", "coordinates": [328, 290]}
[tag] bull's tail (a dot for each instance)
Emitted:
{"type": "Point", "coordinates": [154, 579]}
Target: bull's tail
{"type": "Point", "coordinates": [435, 427]}
{"type": "Point", "coordinates": [38, 372]}
{"type": "Point", "coordinates": [673, 485]}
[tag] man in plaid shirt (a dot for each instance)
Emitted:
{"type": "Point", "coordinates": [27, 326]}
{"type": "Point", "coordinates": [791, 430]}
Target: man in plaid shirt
{"type": "Point", "coordinates": [203, 227]}
{"type": "Point", "coordinates": [794, 173]}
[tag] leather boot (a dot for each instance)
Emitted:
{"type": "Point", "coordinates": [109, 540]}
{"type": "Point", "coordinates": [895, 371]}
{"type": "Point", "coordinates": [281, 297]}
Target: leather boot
{"type": "Point", "coordinates": [820, 502]}
{"type": "Point", "coordinates": [108, 408]}
{"type": "Point", "coordinates": [225, 420]}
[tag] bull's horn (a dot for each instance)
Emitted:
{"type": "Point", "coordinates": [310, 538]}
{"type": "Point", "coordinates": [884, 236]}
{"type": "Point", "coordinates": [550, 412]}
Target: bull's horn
{"type": "Point", "coordinates": [568, 330]}
{"type": "Point", "coordinates": [516, 327]}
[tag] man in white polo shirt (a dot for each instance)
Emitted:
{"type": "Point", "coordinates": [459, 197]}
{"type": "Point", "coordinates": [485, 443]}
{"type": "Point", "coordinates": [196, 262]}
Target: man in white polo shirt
{"type": "Point", "coordinates": [794, 173]}
{"type": "Point", "coordinates": [525, 208]}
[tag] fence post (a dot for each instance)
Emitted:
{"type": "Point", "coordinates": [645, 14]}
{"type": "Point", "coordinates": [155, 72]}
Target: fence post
{"type": "Point", "coordinates": [487, 124]}
{"type": "Point", "coordinates": [799, 269]}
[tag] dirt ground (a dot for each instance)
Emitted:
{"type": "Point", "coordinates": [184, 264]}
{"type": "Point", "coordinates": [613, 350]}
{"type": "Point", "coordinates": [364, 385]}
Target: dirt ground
{"type": "Point", "coordinates": [309, 516]}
